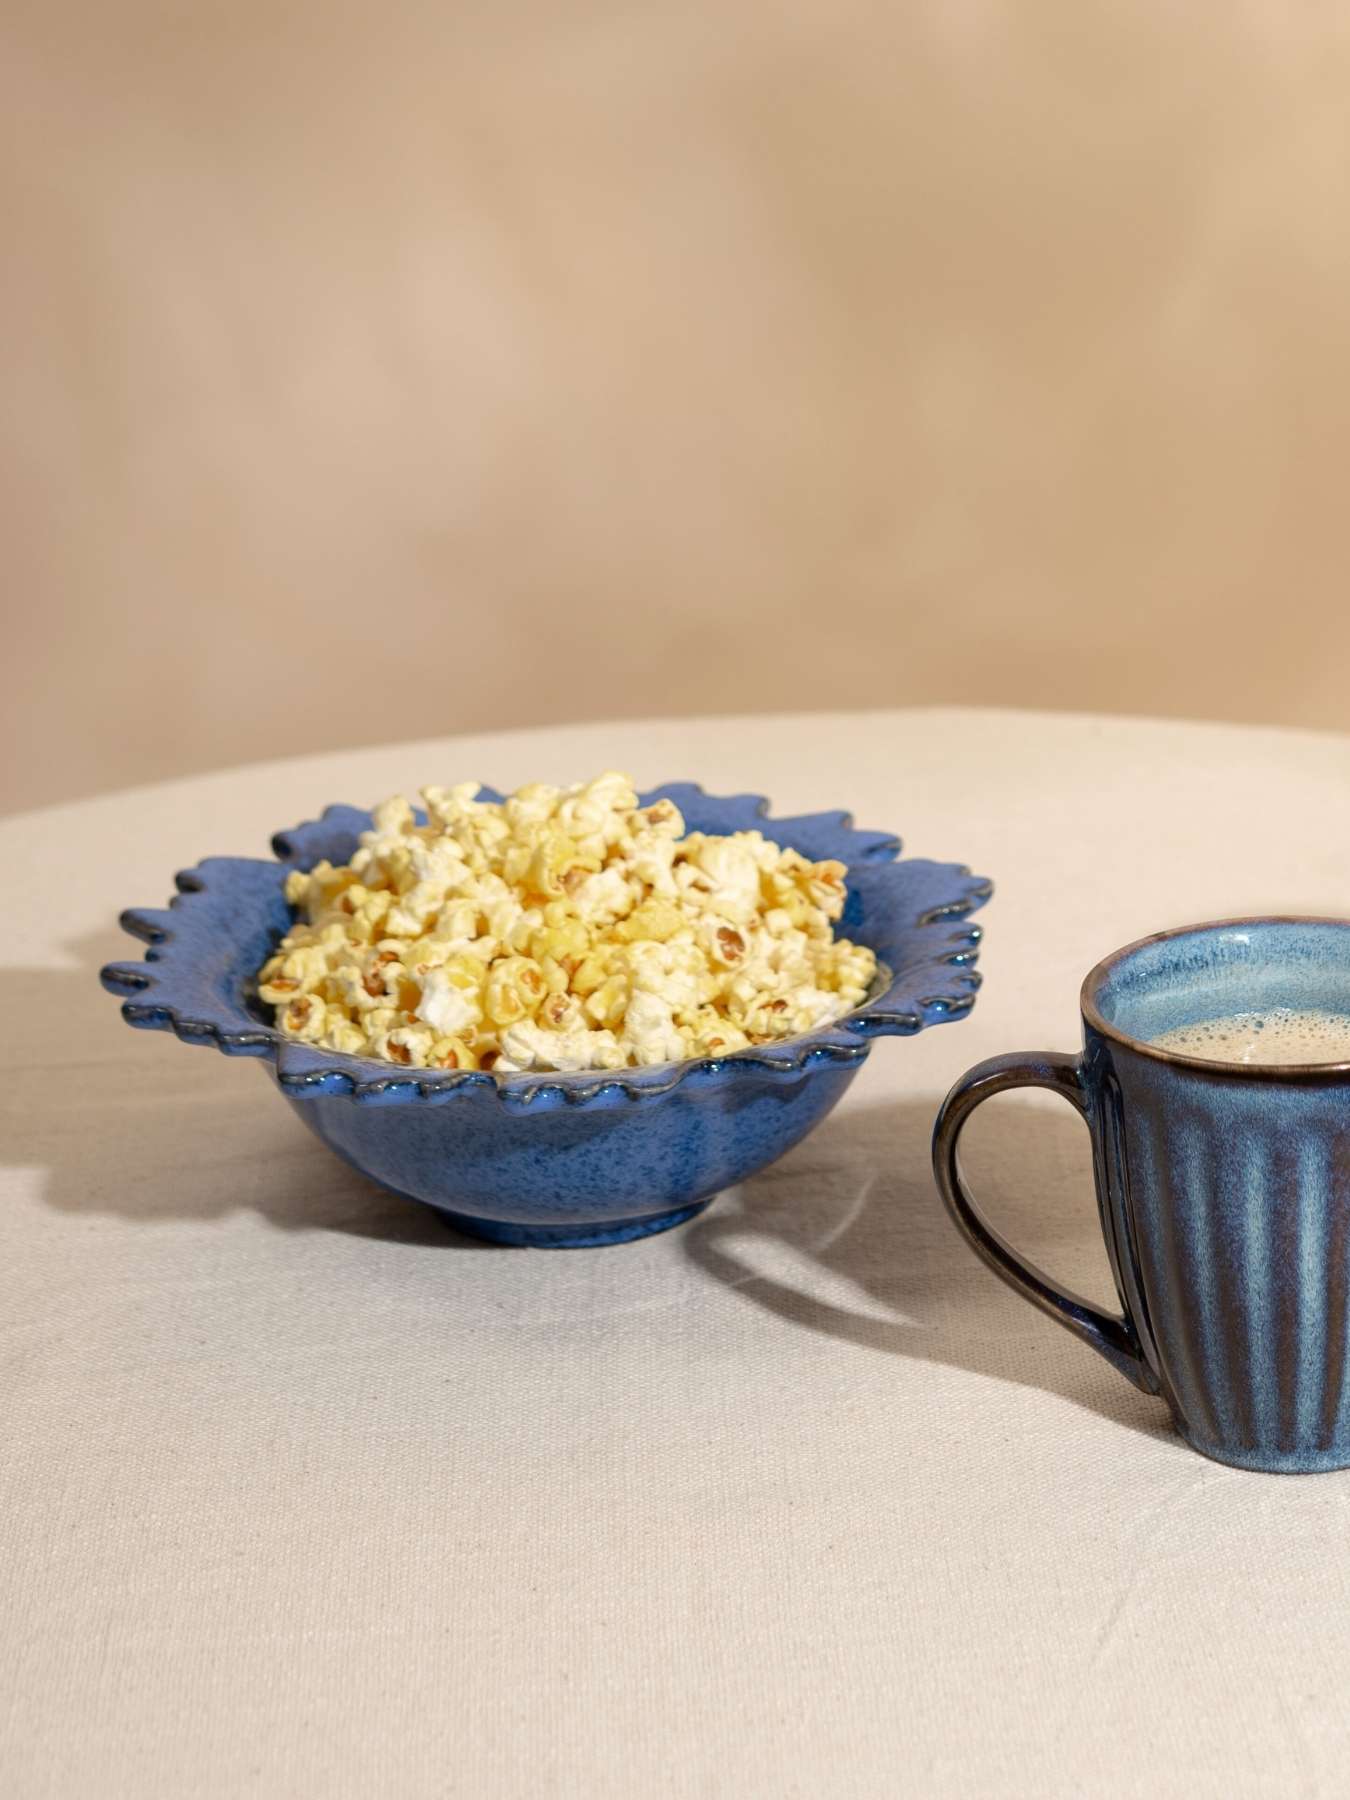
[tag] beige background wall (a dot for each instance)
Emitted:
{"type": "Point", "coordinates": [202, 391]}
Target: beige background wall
{"type": "Point", "coordinates": [376, 371]}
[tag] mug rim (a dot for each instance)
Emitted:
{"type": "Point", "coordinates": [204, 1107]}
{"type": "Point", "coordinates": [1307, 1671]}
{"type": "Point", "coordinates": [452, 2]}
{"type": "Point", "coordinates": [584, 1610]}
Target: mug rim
{"type": "Point", "coordinates": [1099, 974]}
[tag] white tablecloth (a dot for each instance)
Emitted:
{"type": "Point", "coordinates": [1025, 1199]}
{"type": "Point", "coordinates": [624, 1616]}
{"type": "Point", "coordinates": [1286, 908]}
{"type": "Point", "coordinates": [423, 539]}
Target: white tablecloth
{"type": "Point", "coordinates": [304, 1496]}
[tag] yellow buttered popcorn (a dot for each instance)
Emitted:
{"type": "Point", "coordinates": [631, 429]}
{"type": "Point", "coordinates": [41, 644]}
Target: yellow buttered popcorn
{"type": "Point", "coordinates": [562, 928]}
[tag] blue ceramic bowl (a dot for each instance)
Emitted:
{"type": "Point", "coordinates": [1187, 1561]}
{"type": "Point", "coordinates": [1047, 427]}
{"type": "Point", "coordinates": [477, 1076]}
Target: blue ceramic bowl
{"type": "Point", "coordinates": [558, 1159]}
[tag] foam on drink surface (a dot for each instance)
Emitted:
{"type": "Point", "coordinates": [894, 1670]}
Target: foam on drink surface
{"type": "Point", "coordinates": [1281, 1034]}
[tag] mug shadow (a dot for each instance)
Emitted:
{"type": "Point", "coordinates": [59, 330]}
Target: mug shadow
{"type": "Point", "coordinates": [847, 1237]}
{"type": "Point", "coordinates": [151, 1109]}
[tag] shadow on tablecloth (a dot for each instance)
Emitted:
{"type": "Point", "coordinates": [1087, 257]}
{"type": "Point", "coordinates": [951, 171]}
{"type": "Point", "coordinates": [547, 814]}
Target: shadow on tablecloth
{"type": "Point", "coordinates": [136, 1124]}
{"type": "Point", "coordinates": [844, 1237]}
{"type": "Point", "coordinates": [847, 1237]}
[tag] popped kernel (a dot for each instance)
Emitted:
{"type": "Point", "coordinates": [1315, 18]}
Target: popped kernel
{"type": "Point", "coordinates": [562, 928]}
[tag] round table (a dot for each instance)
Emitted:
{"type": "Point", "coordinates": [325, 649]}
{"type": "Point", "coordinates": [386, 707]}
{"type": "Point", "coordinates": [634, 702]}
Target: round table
{"type": "Point", "coordinates": [303, 1495]}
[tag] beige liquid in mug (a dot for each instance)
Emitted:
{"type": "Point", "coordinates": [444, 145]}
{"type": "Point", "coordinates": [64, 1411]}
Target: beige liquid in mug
{"type": "Point", "coordinates": [1281, 1034]}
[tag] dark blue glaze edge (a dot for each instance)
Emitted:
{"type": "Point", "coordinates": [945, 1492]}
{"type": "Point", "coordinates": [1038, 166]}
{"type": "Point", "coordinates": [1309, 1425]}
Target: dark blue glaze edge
{"type": "Point", "coordinates": [935, 986]}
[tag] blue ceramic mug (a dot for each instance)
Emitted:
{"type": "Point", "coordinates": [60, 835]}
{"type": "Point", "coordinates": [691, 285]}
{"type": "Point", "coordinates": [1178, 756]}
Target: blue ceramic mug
{"type": "Point", "coordinates": [1223, 1189]}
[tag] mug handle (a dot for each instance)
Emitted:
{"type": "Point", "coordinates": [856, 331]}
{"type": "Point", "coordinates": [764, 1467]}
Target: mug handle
{"type": "Point", "coordinates": [1114, 1338]}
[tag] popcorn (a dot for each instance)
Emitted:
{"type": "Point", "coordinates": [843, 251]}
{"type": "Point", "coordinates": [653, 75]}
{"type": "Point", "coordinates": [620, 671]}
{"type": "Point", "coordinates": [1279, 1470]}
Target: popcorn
{"type": "Point", "coordinates": [448, 1009]}
{"type": "Point", "coordinates": [564, 928]}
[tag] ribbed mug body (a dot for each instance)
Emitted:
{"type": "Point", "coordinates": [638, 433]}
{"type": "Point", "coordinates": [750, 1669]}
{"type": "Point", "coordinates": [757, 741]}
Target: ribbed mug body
{"type": "Point", "coordinates": [1227, 1197]}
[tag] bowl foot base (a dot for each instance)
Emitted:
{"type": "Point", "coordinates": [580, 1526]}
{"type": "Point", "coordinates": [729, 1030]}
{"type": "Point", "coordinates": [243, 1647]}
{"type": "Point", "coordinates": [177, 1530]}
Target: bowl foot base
{"type": "Point", "coordinates": [569, 1237]}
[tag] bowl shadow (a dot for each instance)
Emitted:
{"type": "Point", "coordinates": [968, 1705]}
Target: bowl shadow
{"type": "Point", "coordinates": [847, 1237]}
{"type": "Point", "coordinates": [149, 1110]}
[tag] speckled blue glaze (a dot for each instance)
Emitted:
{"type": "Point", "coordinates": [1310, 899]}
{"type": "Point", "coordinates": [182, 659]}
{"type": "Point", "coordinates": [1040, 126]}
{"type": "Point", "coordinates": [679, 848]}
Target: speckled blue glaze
{"type": "Point", "coordinates": [559, 1159]}
{"type": "Point", "coordinates": [1224, 1191]}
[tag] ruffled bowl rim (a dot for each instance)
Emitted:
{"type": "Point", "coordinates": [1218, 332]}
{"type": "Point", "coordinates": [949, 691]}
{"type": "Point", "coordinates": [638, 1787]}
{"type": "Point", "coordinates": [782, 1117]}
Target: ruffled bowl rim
{"type": "Point", "coordinates": [936, 983]}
